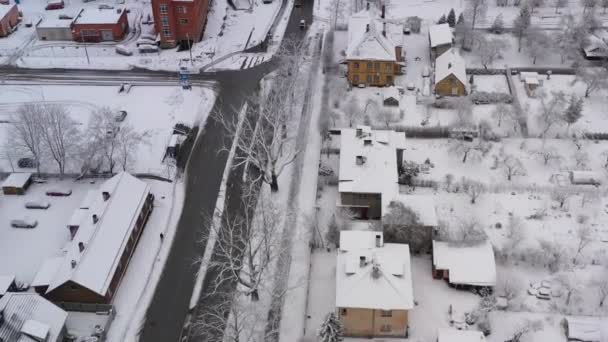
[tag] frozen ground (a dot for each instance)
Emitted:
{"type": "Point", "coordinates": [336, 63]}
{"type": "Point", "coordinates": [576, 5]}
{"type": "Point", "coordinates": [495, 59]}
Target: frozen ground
{"type": "Point", "coordinates": [155, 116]}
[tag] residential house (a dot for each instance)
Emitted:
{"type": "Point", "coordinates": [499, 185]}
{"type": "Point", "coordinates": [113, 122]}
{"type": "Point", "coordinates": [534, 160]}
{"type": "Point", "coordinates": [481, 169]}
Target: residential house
{"type": "Point", "coordinates": [100, 25]}
{"type": "Point", "coordinates": [17, 183]}
{"type": "Point", "coordinates": [9, 17]}
{"type": "Point", "coordinates": [390, 97]}
{"type": "Point", "coordinates": [27, 317]}
{"type": "Point", "coordinates": [54, 29]}
{"type": "Point", "coordinates": [466, 266]}
{"type": "Point", "coordinates": [532, 81]}
{"type": "Point", "coordinates": [373, 285]}
{"type": "Point", "coordinates": [455, 335]}
{"type": "Point", "coordinates": [373, 58]}
{"type": "Point", "coordinates": [180, 22]}
{"type": "Point", "coordinates": [419, 236]}
{"type": "Point", "coordinates": [450, 74]}
{"type": "Point", "coordinates": [94, 263]}
{"type": "Point", "coordinates": [368, 177]}
{"type": "Point", "coordinates": [578, 177]}
{"type": "Point", "coordinates": [7, 283]}
{"type": "Point", "coordinates": [441, 39]}
{"type": "Point", "coordinates": [596, 48]}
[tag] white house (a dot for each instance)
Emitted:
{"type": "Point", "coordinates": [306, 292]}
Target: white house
{"type": "Point", "coordinates": [441, 39]}
{"type": "Point", "coordinates": [464, 265]}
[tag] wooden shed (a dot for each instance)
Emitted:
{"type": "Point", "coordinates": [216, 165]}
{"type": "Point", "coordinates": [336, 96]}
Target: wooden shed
{"type": "Point", "coordinates": [17, 183]}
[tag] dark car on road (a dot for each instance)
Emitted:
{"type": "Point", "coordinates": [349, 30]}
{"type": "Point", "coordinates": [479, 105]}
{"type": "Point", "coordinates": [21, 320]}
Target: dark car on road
{"type": "Point", "coordinates": [59, 193]}
{"type": "Point", "coordinates": [26, 163]}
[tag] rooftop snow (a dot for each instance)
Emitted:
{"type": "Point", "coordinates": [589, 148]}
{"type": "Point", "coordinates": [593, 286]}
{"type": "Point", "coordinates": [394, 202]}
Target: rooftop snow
{"type": "Point", "coordinates": [450, 62]}
{"type": "Point", "coordinates": [423, 205]}
{"type": "Point", "coordinates": [378, 173]}
{"type": "Point", "coordinates": [358, 239]}
{"type": "Point", "coordinates": [4, 9]}
{"type": "Point", "coordinates": [55, 23]}
{"type": "Point", "coordinates": [357, 287]}
{"type": "Point", "coordinates": [105, 240]}
{"type": "Point", "coordinates": [47, 271]}
{"type": "Point", "coordinates": [17, 179]}
{"type": "Point", "coordinates": [586, 328]}
{"type": "Point", "coordinates": [440, 35]}
{"type": "Point", "coordinates": [390, 92]}
{"type": "Point", "coordinates": [365, 38]}
{"type": "Point", "coordinates": [455, 335]}
{"type": "Point", "coordinates": [38, 331]}
{"type": "Point", "coordinates": [31, 312]}
{"type": "Point", "coordinates": [469, 265]}
{"type": "Point", "coordinates": [99, 16]}
{"type": "Point", "coordinates": [5, 283]}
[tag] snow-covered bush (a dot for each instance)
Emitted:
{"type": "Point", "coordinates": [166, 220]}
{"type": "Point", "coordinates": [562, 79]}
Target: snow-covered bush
{"type": "Point", "coordinates": [331, 329]}
{"type": "Point", "coordinates": [483, 97]}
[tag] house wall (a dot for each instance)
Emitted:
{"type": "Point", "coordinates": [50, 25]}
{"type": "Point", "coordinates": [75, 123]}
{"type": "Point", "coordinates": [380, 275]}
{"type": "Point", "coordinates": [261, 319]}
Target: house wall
{"type": "Point", "coordinates": [372, 73]}
{"type": "Point", "coordinates": [372, 323]}
{"type": "Point", "coordinates": [373, 202]}
{"type": "Point", "coordinates": [439, 50]}
{"type": "Point", "coordinates": [8, 21]}
{"type": "Point", "coordinates": [118, 29]}
{"type": "Point", "coordinates": [444, 87]}
{"type": "Point", "coordinates": [184, 20]}
{"type": "Point", "coordinates": [73, 292]}
{"type": "Point", "coordinates": [11, 190]}
{"type": "Point", "coordinates": [54, 33]}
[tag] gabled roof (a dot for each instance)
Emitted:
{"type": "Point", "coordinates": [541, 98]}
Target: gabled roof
{"type": "Point", "coordinates": [105, 240]}
{"type": "Point", "coordinates": [468, 265]}
{"type": "Point", "coordinates": [440, 35]}
{"type": "Point", "coordinates": [32, 315]}
{"type": "Point", "coordinates": [378, 173]}
{"type": "Point", "coordinates": [455, 335]}
{"type": "Point", "coordinates": [384, 282]}
{"type": "Point", "coordinates": [365, 38]}
{"type": "Point", "coordinates": [450, 63]}
{"type": "Point", "coordinates": [4, 9]}
{"type": "Point", "coordinates": [390, 92]}
{"type": "Point", "coordinates": [359, 239]}
{"type": "Point", "coordinates": [5, 283]}
{"type": "Point", "coordinates": [587, 328]}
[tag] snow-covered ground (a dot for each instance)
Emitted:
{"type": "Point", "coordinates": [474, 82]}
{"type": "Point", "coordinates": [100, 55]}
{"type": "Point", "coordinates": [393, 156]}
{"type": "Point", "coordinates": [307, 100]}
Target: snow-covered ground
{"type": "Point", "coordinates": [155, 116]}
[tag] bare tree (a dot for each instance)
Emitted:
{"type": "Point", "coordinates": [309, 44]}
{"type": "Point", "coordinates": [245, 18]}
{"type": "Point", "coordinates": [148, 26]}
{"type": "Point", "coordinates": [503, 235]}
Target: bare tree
{"type": "Point", "coordinates": [337, 11]}
{"type": "Point", "coordinates": [510, 286]}
{"type": "Point", "coordinates": [601, 283]}
{"type": "Point", "coordinates": [582, 159]}
{"type": "Point", "coordinates": [570, 284]}
{"type": "Point", "coordinates": [593, 78]}
{"type": "Point", "coordinates": [526, 327]}
{"type": "Point", "coordinates": [102, 132]}
{"type": "Point", "coordinates": [535, 4]}
{"type": "Point", "coordinates": [129, 140]}
{"type": "Point", "coordinates": [559, 4]}
{"type": "Point", "coordinates": [515, 231]}
{"type": "Point", "coordinates": [475, 11]}
{"type": "Point", "coordinates": [512, 166]}
{"type": "Point", "coordinates": [583, 239]}
{"type": "Point", "coordinates": [403, 225]}
{"type": "Point", "coordinates": [502, 112]}
{"type": "Point", "coordinates": [554, 255]}
{"type": "Point", "coordinates": [560, 196]}
{"type": "Point", "coordinates": [588, 4]}
{"type": "Point", "coordinates": [246, 247]}
{"type": "Point", "coordinates": [537, 43]}
{"type": "Point", "coordinates": [60, 134]}
{"type": "Point", "coordinates": [386, 116]}
{"type": "Point", "coordinates": [467, 150]}
{"type": "Point", "coordinates": [473, 188]}
{"type": "Point", "coordinates": [469, 232]}
{"type": "Point", "coordinates": [352, 110]}
{"type": "Point", "coordinates": [548, 154]}
{"type": "Point", "coordinates": [490, 50]}
{"type": "Point", "coordinates": [521, 24]}
{"type": "Point", "coordinates": [26, 132]}
{"type": "Point", "coordinates": [551, 111]}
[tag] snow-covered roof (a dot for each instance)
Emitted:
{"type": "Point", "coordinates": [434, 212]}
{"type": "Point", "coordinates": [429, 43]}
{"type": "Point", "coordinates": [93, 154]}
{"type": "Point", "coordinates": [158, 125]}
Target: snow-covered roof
{"type": "Point", "coordinates": [423, 205]}
{"type": "Point", "coordinates": [390, 92]}
{"type": "Point", "coordinates": [440, 35]}
{"type": "Point", "coordinates": [596, 47]}
{"type": "Point", "coordinates": [468, 265]}
{"type": "Point", "coordinates": [99, 16]}
{"type": "Point", "coordinates": [359, 239]}
{"type": "Point", "coordinates": [377, 149]}
{"type": "Point", "coordinates": [30, 314]}
{"type": "Point", "coordinates": [455, 335]}
{"type": "Point", "coordinates": [5, 283]}
{"type": "Point", "coordinates": [50, 22]}
{"type": "Point", "coordinates": [47, 271]}
{"type": "Point", "coordinates": [4, 9]}
{"type": "Point", "coordinates": [450, 63]}
{"type": "Point", "coordinates": [587, 328]}
{"type": "Point", "coordinates": [105, 240]}
{"type": "Point", "coordinates": [585, 177]}
{"type": "Point", "coordinates": [531, 80]}
{"type": "Point", "coordinates": [366, 40]}
{"type": "Point", "coordinates": [360, 286]}
{"type": "Point", "coordinates": [17, 179]}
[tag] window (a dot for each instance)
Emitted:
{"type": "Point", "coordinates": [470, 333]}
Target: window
{"type": "Point", "coordinates": [164, 21]}
{"type": "Point", "coordinates": [181, 9]}
{"type": "Point", "coordinates": [343, 312]}
{"type": "Point", "coordinates": [386, 328]}
{"type": "Point", "coordinates": [356, 64]}
{"type": "Point", "coordinates": [73, 287]}
{"type": "Point", "coordinates": [377, 78]}
{"type": "Point", "coordinates": [369, 78]}
{"type": "Point", "coordinates": [389, 68]}
{"type": "Point", "coordinates": [386, 313]}
{"type": "Point", "coordinates": [183, 21]}
{"type": "Point", "coordinates": [166, 32]}
{"type": "Point", "coordinates": [376, 66]}
{"type": "Point", "coordinates": [88, 33]}
{"type": "Point", "coordinates": [369, 65]}
{"type": "Point", "coordinates": [163, 9]}
{"type": "Point", "coordinates": [356, 79]}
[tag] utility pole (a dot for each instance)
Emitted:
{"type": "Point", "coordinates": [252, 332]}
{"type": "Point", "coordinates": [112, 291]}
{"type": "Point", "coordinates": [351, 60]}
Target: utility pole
{"type": "Point", "coordinates": [86, 52]}
{"type": "Point", "coordinates": [190, 48]}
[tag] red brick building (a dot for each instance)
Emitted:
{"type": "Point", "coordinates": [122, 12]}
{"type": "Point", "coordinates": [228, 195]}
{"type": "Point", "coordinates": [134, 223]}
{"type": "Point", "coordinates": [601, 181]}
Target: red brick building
{"type": "Point", "coordinates": [99, 25]}
{"type": "Point", "coordinates": [9, 17]}
{"type": "Point", "coordinates": [180, 21]}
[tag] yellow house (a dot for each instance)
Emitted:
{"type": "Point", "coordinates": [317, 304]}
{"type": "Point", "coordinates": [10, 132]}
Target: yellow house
{"type": "Point", "coordinates": [373, 285]}
{"type": "Point", "coordinates": [450, 74]}
{"type": "Point", "coordinates": [373, 59]}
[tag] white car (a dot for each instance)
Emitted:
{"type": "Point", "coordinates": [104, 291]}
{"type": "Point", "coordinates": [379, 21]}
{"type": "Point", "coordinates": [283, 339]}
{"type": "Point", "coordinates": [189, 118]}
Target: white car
{"type": "Point", "coordinates": [37, 205]}
{"type": "Point", "coordinates": [24, 223]}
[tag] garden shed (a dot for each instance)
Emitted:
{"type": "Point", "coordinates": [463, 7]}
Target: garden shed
{"type": "Point", "coordinates": [17, 183]}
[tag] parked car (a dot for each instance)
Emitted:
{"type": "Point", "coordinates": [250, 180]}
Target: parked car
{"type": "Point", "coordinates": [120, 116]}
{"type": "Point", "coordinates": [123, 50]}
{"type": "Point", "coordinates": [26, 163]}
{"type": "Point", "coordinates": [28, 23]}
{"type": "Point", "coordinates": [65, 17]}
{"type": "Point", "coordinates": [24, 223]}
{"type": "Point", "coordinates": [147, 48]}
{"type": "Point", "coordinates": [297, 3]}
{"type": "Point", "coordinates": [267, 1]}
{"type": "Point", "coordinates": [54, 5]}
{"type": "Point", "coordinates": [407, 29]}
{"type": "Point", "coordinates": [411, 86]}
{"type": "Point", "coordinates": [544, 293]}
{"type": "Point", "coordinates": [105, 6]}
{"type": "Point", "coordinates": [302, 24]}
{"type": "Point", "coordinates": [145, 41]}
{"type": "Point", "coordinates": [37, 205]}
{"type": "Point", "coordinates": [59, 192]}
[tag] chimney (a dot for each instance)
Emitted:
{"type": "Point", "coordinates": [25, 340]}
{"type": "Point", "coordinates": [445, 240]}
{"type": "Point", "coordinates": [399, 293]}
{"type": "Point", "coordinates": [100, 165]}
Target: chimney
{"type": "Point", "coordinates": [384, 29]}
{"type": "Point", "coordinates": [73, 263]}
{"type": "Point", "coordinates": [367, 142]}
{"type": "Point", "coordinates": [81, 246]}
{"type": "Point", "coordinates": [362, 262]}
{"type": "Point", "coordinates": [360, 160]}
{"type": "Point", "coordinates": [367, 6]}
{"type": "Point", "coordinates": [95, 218]}
{"type": "Point", "coordinates": [367, 28]}
{"type": "Point", "coordinates": [105, 195]}
{"type": "Point", "coordinates": [383, 11]}
{"type": "Point", "coordinates": [378, 241]}
{"type": "Point", "coordinates": [449, 65]}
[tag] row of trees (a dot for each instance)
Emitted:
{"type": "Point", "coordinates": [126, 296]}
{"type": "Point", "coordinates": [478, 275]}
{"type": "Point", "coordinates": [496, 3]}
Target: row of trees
{"type": "Point", "coordinates": [46, 131]}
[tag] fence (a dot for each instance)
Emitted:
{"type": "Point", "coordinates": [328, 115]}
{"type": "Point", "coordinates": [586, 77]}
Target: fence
{"type": "Point", "coordinates": [98, 309]}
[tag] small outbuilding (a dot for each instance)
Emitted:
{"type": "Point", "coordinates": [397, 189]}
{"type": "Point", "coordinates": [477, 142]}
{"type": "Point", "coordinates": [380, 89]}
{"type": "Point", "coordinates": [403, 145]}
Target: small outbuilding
{"type": "Point", "coordinates": [440, 39]}
{"type": "Point", "coordinates": [585, 178]}
{"type": "Point", "coordinates": [17, 183]}
{"type": "Point", "coordinates": [586, 328]}
{"type": "Point", "coordinates": [100, 25]}
{"type": "Point", "coordinates": [390, 97]}
{"type": "Point", "coordinates": [463, 265]}
{"type": "Point", "coordinates": [9, 17]}
{"type": "Point", "coordinates": [54, 29]}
